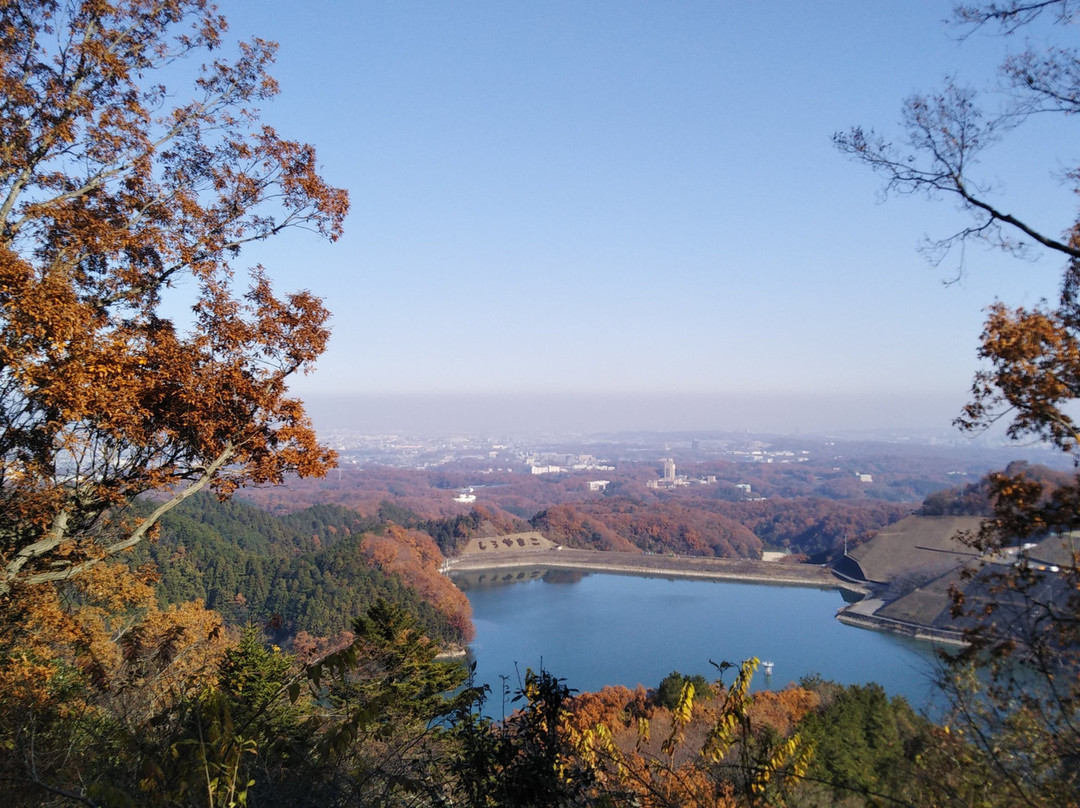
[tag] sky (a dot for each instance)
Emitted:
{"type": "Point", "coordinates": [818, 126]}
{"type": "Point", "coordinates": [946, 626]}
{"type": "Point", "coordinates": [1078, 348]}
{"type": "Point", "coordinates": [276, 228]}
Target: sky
{"type": "Point", "coordinates": [631, 214]}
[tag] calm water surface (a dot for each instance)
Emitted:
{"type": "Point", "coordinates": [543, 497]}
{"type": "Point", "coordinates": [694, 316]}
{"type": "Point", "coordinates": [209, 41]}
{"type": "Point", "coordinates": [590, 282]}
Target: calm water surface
{"type": "Point", "coordinates": [599, 629]}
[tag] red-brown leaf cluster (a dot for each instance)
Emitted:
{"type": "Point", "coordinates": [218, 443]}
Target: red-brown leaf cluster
{"type": "Point", "coordinates": [414, 557]}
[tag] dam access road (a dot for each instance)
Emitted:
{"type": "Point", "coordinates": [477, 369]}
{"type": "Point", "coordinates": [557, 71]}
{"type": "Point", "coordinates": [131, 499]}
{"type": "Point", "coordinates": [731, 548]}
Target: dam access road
{"type": "Point", "coordinates": [714, 569]}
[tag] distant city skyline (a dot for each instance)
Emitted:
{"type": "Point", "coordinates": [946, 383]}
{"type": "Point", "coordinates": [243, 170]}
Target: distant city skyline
{"type": "Point", "coordinates": [638, 205]}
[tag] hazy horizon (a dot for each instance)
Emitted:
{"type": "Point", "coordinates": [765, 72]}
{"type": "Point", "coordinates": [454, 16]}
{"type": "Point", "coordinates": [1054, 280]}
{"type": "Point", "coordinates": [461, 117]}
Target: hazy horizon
{"type": "Point", "coordinates": [595, 413]}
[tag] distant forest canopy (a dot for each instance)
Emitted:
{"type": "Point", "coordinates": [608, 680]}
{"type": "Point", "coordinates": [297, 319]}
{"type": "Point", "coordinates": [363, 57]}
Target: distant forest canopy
{"type": "Point", "coordinates": [806, 509]}
{"type": "Point", "coordinates": [902, 478]}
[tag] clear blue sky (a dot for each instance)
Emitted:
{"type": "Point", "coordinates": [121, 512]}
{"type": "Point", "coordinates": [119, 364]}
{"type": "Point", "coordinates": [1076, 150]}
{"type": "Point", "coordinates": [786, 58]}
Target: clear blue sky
{"type": "Point", "coordinates": [615, 199]}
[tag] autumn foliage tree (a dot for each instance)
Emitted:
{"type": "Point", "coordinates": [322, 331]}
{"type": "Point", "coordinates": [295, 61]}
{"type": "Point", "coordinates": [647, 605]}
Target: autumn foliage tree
{"type": "Point", "coordinates": [1022, 710]}
{"type": "Point", "coordinates": [114, 189]}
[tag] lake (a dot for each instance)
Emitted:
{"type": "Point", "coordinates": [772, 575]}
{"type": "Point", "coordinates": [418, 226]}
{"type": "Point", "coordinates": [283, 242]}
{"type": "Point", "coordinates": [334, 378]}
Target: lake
{"type": "Point", "coordinates": [596, 629]}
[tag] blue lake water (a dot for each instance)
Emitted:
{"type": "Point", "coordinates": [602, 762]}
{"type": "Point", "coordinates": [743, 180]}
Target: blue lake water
{"type": "Point", "coordinates": [596, 629]}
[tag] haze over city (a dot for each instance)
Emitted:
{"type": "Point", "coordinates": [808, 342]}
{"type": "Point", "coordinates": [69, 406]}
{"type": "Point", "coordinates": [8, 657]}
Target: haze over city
{"type": "Point", "coordinates": [631, 215]}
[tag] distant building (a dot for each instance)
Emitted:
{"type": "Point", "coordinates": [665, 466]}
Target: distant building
{"type": "Point", "coordinates": [669, 468]}
{"type": "Point", "coordinates": [465, 497]}
{"type": "Point", "coordinates": [598, 485]}
{"type": "Point", "coordinates": [864, 478]}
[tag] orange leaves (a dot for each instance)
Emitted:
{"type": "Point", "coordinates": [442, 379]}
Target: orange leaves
{"type": "Point", "coordinates": [613, 706]}
{"type": "Point", "coordinates": [300, 181]}
{"type": "Point", "coordinates": [1035, 374]}
{"type": "Point", "coordinates": [113, 638]}
{"type": "Point", "coordinates": [170, 655]}
{"type": "Point", "coordinates": [783, 709]}
{"type": "Point", "coordinates": [415, 558]}
{"type": "Point", "coordinates": [705, 752]}
{"type": "Point", "coordinates": [107, 199]}
{"type": "Point", "coordinates": [382, 551]}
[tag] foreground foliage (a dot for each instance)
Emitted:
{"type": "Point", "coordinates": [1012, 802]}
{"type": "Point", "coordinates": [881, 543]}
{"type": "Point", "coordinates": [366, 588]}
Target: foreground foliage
{"type": "Point", "coordinates": [108, 699]}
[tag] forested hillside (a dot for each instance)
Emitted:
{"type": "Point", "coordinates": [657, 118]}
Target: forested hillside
{"type": "Point", "coordinates": [308, 571]}
{"type": "Point", "coordinates": [686, 526]}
